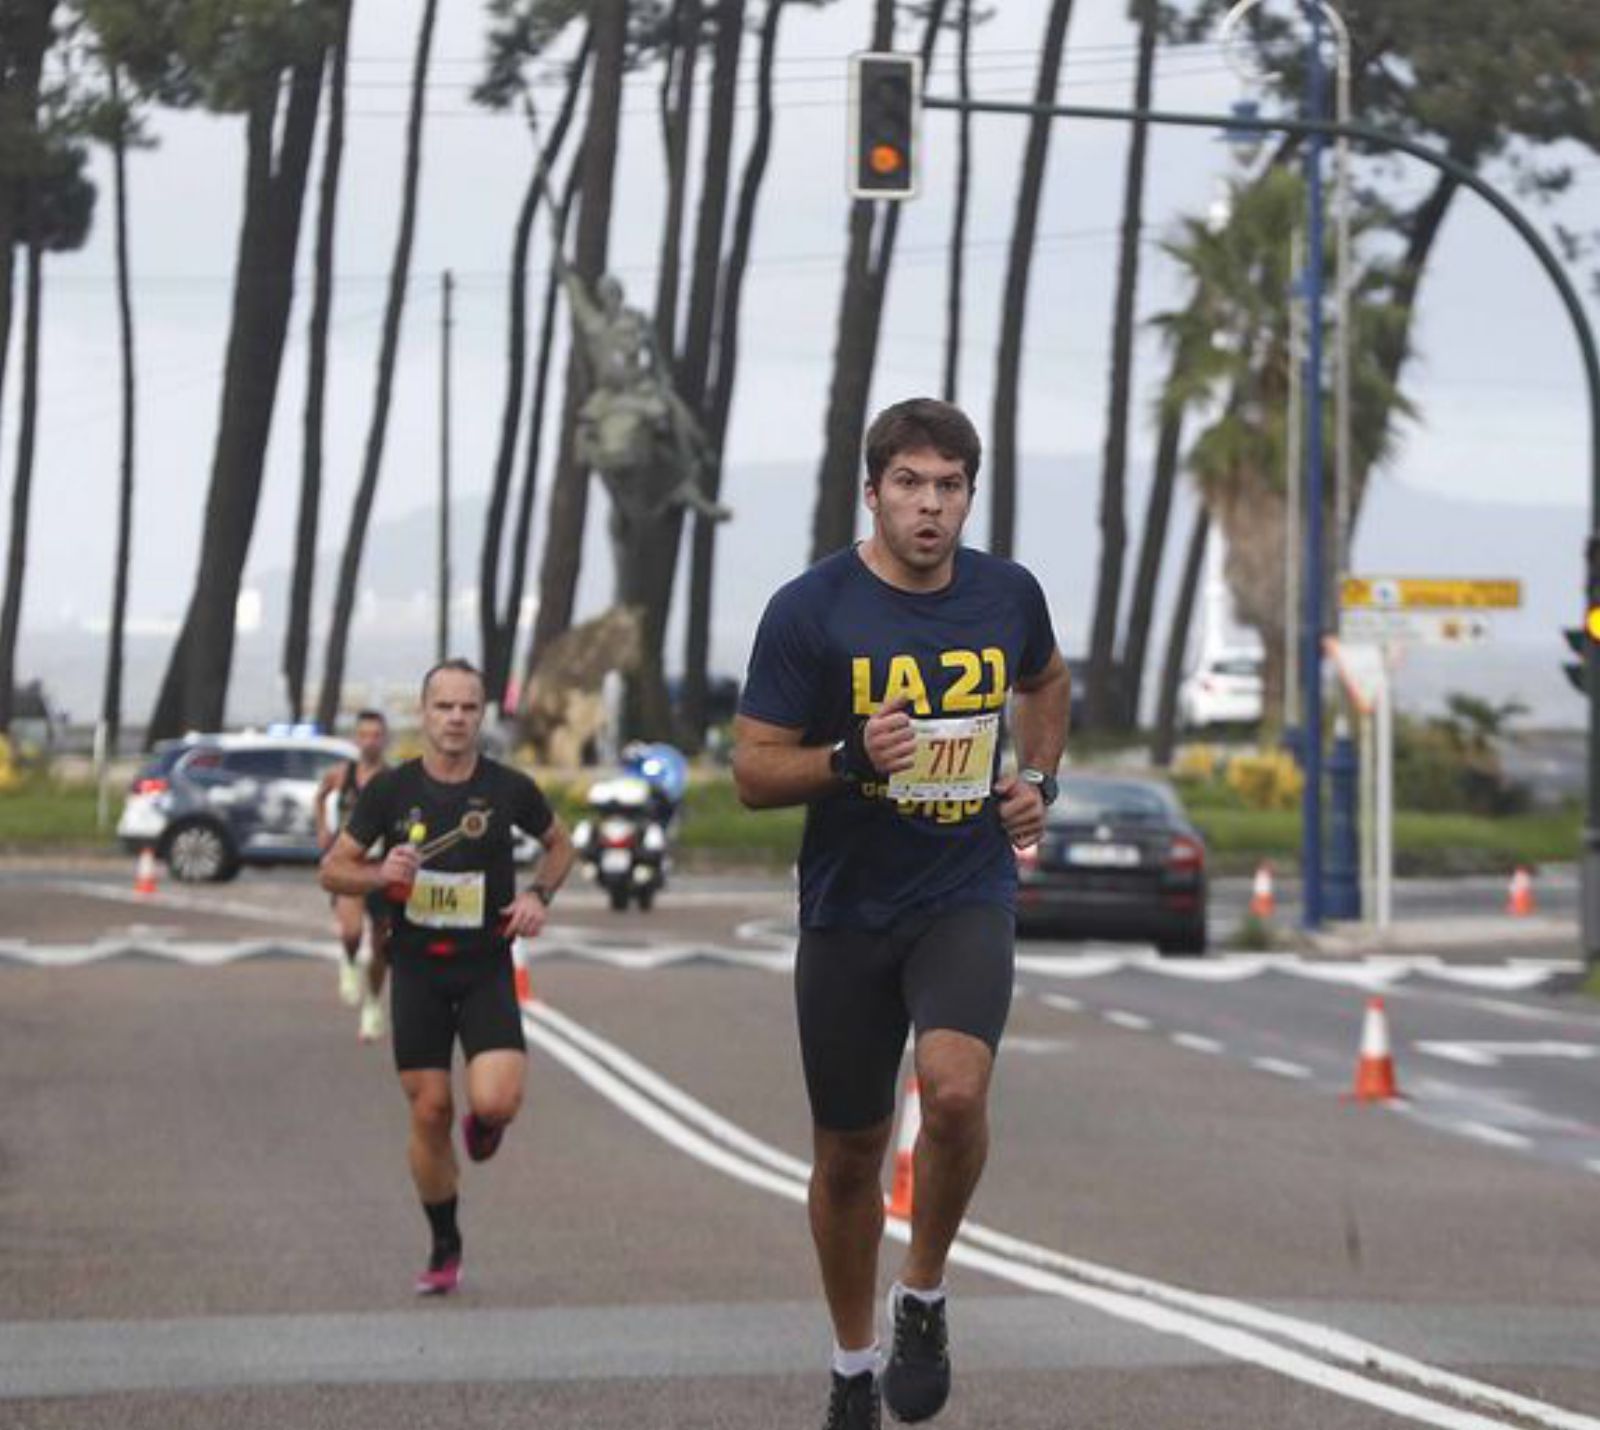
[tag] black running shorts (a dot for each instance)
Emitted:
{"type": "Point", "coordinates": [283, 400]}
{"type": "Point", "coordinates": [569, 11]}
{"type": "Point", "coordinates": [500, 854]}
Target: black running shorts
{"type": "Point", "coordinates": [438, 999]}
{"type": "Point", "coordinates": [858, 992]}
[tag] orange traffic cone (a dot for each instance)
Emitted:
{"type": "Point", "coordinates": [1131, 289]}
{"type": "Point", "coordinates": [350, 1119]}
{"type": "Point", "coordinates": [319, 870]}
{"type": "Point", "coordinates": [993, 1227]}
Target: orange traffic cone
{"type": "Point", "coordinates": [1375, 1079]}
{"type": "Point", "coordinates": [519, 964]}
{"type": "Point", "coordinates": [900, 1193]}
{"type": "Point", "coordinates": [1263, 903]}
{"type": "Point", "coordinates": [1519, 899]}
{"type": "Point", "coordinates": [144, 874]}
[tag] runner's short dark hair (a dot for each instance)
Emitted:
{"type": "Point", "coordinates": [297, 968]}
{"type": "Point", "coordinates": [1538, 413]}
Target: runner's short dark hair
{"type": "Point", "coordinates": [377, 715]}
{"type": "Point", "coordinates": [922, 422]}
{"type": "Point", "coordinates": [456, 663]}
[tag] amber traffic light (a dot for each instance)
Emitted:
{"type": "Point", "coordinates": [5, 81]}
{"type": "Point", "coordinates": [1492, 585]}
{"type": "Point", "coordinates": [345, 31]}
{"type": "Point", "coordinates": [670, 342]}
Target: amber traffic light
{"type": "Point", "coordinates": [885, 97]}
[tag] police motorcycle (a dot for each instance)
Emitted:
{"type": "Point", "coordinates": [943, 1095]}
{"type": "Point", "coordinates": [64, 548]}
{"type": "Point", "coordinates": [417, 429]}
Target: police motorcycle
{"type": "Point", "coordinates": [625, 838]}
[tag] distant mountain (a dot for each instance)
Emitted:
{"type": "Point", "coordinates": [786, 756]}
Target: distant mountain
{"type": "Point", "coordinates": [1404, 531]}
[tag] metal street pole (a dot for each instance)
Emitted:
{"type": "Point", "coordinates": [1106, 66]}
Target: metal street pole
{"type": "Point", "coordinates": [1588, 351]}
{"type": "Point", "coordinates": [1311, 629]}
{"type": "Point", "coordinates": [446, 323]}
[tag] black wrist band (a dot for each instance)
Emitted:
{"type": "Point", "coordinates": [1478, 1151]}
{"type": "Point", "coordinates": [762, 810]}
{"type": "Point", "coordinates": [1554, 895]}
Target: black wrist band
{"type": "Point", "coordinates": [857, 760]}
{"type": "Point", "coordinates": [543, 893]}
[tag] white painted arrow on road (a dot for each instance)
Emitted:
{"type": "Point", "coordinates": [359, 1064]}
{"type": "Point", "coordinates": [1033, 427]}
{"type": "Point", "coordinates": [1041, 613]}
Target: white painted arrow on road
{"type": "Point", "coordinates": [1491, 1055]}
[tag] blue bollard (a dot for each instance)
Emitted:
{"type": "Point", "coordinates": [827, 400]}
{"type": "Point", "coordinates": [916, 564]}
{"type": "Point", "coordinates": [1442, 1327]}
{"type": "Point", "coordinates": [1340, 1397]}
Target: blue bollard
{"type": "Point", "coordinates": [1342, 887]}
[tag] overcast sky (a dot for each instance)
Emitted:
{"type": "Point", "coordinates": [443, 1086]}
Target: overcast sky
{"type": "Point", "coordinates": [1497, 379]}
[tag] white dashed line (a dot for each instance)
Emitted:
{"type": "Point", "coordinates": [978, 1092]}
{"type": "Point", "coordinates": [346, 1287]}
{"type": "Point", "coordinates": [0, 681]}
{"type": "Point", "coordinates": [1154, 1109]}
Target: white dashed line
{"type": "Point", "coordinates": [1196, 1044]}
{"type": "Point", "coordinates": [1132, 1021]}
{"type": "Point", "coordinates": [1593, 1166]}
{"type": "Point", "coordinates": [1061, 1001]}
{"type": "Point", "coordinates": [1280, 1067]}
{"type": "Point", "coordinates": [1496, 1136]}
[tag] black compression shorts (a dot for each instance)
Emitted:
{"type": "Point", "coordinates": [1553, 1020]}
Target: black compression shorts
{"type": "Point", "coordinates": [438, 999]}
{"type": "Point", "coordinates": [858, 992]}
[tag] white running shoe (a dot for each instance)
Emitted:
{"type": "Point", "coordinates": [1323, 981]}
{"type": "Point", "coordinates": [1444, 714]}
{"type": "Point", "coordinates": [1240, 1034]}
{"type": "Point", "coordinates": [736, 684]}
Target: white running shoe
{"type": "Point", "coordinates": [373, 1024]}
{"type": "Point", "coordinates": [349, 983]}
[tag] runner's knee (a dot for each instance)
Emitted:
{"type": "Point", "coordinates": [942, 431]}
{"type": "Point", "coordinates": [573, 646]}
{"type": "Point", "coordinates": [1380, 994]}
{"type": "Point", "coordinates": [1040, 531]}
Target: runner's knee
{"type": "Point", "coordinates": [431, 1111]}
{"type": "Point", "coordinates": [848, 1165]}
{"type": "Point", "coordinates": [953, 1107]}
{"type": "Point", "coordinates": [497, 1105]}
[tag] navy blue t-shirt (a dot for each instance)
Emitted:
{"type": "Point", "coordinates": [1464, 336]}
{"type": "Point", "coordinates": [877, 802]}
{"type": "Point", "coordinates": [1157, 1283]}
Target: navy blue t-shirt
{"type": "Point", "coordinates": [838, 642]}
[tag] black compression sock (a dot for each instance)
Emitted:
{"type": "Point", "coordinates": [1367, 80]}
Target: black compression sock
{"type": "Point", "coordinates": [442, 1218]}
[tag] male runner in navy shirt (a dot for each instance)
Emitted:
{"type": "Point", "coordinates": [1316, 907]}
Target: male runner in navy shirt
{"type": "Point", "coordinates": [874, 697]}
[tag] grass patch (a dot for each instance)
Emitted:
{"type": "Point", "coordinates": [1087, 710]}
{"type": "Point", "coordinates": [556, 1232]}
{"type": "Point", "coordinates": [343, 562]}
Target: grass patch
{"type": "Point", "coordinates": [45, 812]}
{"type": "Point", "coordinates": [42, 814]}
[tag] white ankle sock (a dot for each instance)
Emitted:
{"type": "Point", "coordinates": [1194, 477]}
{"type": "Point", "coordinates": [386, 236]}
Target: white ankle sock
{"type": "Point", "coordinates": [852, 1363]}
{"type": "Point", "coordinates": [928, 1298]}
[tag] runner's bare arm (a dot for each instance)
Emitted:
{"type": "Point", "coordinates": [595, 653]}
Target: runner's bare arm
{"type": "Point", "coordinates": [1040, 708]}
{"type": "Point", "coordinates": [347, 870]}
{"type": "Point", "coordinates": [324, 794]}
{"type": "Point", "coordinates": [771, 768]}
{"type": "Point", "coordinates": [524, 916]}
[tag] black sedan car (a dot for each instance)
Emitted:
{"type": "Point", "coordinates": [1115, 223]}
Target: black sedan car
{"type": "Point", "coordinates": [1119, 860]}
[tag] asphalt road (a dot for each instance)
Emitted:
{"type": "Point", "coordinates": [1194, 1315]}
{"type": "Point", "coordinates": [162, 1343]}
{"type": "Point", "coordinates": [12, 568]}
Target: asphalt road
{"type": "Point", "coordinates": [205, 1218]}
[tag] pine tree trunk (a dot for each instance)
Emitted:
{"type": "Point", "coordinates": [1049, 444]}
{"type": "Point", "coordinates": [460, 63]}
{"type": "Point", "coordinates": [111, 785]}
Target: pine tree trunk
{"type": "Point", "coordinates": [389, 351]}
{"type": "Point", "coordinates": [1104, 700]}
{"type": "Point", "coordinates": [1152, 550]}
{"type": "Point", "coordinates": [111, 697]}
{"type": "Point", "coordinates": [1166, 731]}
{"type": "Point", "coordinates": [569, 496]}
{"type": "Point", "coordinates": [702, 570]}
{"type": "Point", "coordinates": [1008, 362]}
{"type": "Point", "coordinates": [497, 630]}
{"type": "Point", "coordinates": [22, 479]}
{"type": "Point", "coordinates": [522, 539]}
{"type": "Point", "coordinates": [658, 541]}
{"type": "Point", "coordinates": [679, 121]}
{"type": "Point", "coordinates": [194, 690]}
{"type": "Point", "coordinates": [297, 635]}
{"type": "Point", "coordinates": [958, 224]}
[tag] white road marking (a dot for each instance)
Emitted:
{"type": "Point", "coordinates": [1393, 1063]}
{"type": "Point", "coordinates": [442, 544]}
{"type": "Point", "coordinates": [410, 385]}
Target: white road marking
{"type": "Point", "coordinates": [1135, 1022]}
{"type": "Point", "coordinates": [1280, 1067]}
{"type": "Point", "coordinates": [1061, 1001]}
{"type": "Point", "coordinates": [1483, 1132]}
{"type": "Point", "coordinates": [1216, 1322]}
{"type": "Point", "coordinates": [1197, 1044]}
{"type": "Point", "coordinates": [1594, 1165]}
{"type": "Point", "coordinates": [1492, 1054]}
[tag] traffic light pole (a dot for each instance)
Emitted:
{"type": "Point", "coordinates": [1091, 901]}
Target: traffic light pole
{"type": "Point", "coordinates": [1382, 139]}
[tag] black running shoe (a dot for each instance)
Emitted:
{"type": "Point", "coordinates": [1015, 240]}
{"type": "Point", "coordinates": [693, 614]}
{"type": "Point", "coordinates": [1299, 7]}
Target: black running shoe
{"type": "Point", "coordinates": [916, 1381]}
{"type": "Point", "coordinates": [482, 1139]}
{"type": "Point", "coordinates": [853, 1403]}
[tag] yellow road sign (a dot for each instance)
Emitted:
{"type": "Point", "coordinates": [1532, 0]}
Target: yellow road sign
{"type": "Point", "coordinates": [1427, 593]}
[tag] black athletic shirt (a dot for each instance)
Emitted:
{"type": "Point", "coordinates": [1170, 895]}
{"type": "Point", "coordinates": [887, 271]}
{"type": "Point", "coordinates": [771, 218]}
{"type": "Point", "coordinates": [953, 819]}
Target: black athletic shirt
{"type": "Point", "coordinates": [835, 644]}
{"type": "Point", "coordinates": [455, 906]}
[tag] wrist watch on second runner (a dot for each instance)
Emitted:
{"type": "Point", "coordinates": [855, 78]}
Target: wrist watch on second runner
{"type": "Point", "coordinates": [1047, 785]}
{"type": "Point", "coordinates": [543, 893]}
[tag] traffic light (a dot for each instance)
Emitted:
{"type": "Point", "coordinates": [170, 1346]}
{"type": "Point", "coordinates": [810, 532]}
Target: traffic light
{"type": "Point", "coordinates": [1580, 639]}
{"type": "Point", "coordinates": [885, 105]}
{"type": "Point", "coordinates": [1573, 669]}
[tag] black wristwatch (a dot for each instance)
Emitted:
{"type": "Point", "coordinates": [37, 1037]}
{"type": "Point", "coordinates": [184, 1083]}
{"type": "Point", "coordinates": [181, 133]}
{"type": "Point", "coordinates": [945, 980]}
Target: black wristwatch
{"type": "Point", "coordinates": [1047, 785]}
{"type": "Point", "coordinates": [543, 892]}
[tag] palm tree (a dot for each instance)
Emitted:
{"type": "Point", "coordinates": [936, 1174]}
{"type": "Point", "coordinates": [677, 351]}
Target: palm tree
{"type": "Point", "coordinates": [1233, 332]}
{"type": "Point", "coordinates": [388, 353]}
